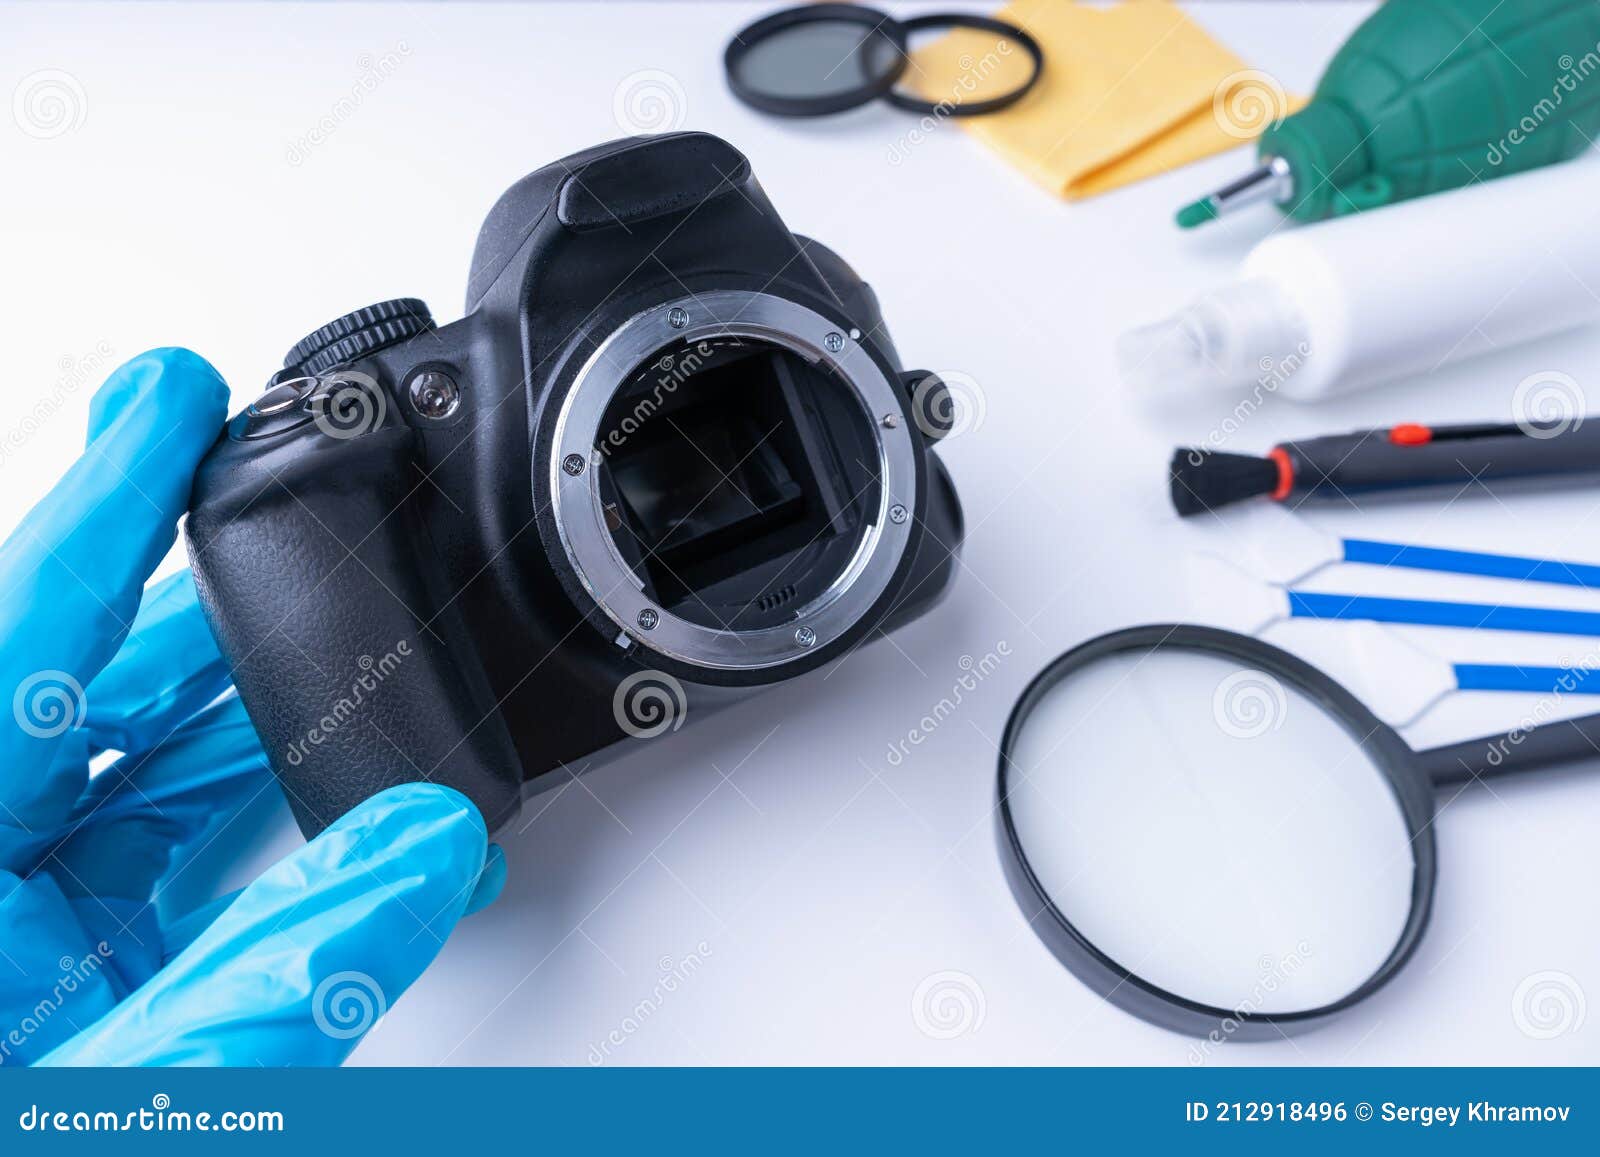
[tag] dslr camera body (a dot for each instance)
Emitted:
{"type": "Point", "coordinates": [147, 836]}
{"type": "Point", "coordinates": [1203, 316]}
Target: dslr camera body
{"type": "Point", "coordinates": [668, 458]}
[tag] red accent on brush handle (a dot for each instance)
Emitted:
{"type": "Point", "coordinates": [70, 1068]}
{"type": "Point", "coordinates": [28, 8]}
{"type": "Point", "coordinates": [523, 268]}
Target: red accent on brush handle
{"type": "Point", "coordinates": [1285, 473]}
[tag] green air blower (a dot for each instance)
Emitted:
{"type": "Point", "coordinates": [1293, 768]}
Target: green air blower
{"type": "Point", "coordinates": [1429, 95]}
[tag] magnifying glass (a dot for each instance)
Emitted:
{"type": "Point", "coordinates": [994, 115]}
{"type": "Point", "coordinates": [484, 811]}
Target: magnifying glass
{"type": "Point", "coordinates": [1211, 833]}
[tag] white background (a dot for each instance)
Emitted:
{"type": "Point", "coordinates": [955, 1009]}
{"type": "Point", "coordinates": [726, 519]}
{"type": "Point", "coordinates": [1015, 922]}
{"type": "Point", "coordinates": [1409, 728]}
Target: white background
{"type": "Point", "coordinates": [824, 883]}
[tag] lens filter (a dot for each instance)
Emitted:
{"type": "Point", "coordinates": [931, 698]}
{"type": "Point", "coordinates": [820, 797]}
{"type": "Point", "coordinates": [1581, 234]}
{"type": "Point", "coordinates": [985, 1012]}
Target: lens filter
{"type": "Point", "coordinates": [816, 59]}
{"type": "Point", "coordinates": [827, 58]}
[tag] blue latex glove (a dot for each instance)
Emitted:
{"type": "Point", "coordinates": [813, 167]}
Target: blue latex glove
{"type": "Point", "coordinates": [107, 956]}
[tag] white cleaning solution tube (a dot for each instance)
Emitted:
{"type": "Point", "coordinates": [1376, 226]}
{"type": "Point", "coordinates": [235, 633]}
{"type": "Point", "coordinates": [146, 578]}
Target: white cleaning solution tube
{"type": "Point", "coordinates": [1330, 308]}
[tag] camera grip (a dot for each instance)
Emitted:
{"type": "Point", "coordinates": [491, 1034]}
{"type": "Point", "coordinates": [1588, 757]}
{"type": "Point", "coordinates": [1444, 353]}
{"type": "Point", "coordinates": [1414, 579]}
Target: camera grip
{"type": "Point", "coordinates": [326, 598]}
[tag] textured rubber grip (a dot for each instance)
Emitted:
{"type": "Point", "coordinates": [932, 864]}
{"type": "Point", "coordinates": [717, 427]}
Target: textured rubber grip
{"type": "Point", "coordinates": [324, 595]}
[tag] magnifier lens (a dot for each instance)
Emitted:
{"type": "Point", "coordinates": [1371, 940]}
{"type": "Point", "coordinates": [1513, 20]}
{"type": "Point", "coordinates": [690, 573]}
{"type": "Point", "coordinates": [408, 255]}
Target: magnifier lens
{"type": "Point", "coordinates": [818, 59]}
{"type": "Point", "coordinates": [1212, 830]}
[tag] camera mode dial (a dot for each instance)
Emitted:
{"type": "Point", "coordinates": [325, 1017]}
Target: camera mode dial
{"type": "Point", "coordinates": [358, 333]}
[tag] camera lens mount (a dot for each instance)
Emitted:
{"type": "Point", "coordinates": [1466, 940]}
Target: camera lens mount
{"type": "Point", "coordinates": [588, 482]}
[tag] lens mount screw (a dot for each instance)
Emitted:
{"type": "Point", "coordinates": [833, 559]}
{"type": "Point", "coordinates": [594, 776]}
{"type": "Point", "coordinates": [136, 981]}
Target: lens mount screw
{"type": "Point", "coordinates": [435, 394]}
{"type": "Point", "coordinates": [573, 464]}
{"type": "Point", "coordinates": [834, 341]}
{"type": "Point", "coordinates": [677, 317]}
{"type": "Point", "coordinates": [898, 514]}
{"type": "Point", "coordinates": [890, 421]}
{"type": "Point", "coordinates": [805, 636]}
{"type": "Point", "coordinates": [648, 619]}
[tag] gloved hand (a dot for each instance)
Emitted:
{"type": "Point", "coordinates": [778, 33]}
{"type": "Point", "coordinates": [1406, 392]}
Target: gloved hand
{"type": "Point", "coordinates": [106, 955]}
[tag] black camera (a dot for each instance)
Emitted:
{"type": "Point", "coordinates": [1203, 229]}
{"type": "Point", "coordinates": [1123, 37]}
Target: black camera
{"type": "Point", "coordinates": [668, 457]}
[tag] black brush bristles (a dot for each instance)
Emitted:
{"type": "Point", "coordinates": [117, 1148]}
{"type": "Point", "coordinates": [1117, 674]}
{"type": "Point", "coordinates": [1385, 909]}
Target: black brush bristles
{"type": "Point", "coordinates": [1203, 480]}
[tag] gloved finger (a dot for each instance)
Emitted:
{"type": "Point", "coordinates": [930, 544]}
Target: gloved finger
{"type": "Point", "coordinates": [308, 957]}
{"type": "Point", "coordinates": [146, 816]}
{"type": "Point", "coordinates": [55, 975]}
{"type": "Point", "coordinates": [22, 842]}
{"type": "Point", "coordinates": [490, 881]}
{"type": "Point", "coordinates": [72, 572]}
{"type": "Point", "coordinates": [167, 670]}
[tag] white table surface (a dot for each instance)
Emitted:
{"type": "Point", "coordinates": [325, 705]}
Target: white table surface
{"type": "Point", "coordinates": [818, 885]}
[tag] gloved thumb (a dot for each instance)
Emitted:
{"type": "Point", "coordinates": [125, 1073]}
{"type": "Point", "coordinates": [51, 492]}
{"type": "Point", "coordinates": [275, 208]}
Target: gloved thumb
{"type": "Point", "coordinates": [310, 955]}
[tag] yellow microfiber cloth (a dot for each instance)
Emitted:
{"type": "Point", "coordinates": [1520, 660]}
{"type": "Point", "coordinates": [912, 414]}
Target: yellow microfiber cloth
{"type": "Point", "coordinates": [1127, 92]}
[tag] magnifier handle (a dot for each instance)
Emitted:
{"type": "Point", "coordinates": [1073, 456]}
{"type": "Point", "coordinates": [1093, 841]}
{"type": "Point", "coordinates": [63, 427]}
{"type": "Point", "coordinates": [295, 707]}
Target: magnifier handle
{"type": "Point", "coordinates": [1520, 749]}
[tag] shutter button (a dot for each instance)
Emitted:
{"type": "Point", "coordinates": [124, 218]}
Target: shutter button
{"type": "Point", "coordinates": [281, 395]}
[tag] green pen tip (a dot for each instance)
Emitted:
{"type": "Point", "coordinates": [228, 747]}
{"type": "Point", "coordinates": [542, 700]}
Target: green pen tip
{"type": "Point", "coordinates": [1198, 213]}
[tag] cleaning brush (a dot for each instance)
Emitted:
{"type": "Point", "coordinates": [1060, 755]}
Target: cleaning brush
{"type": "Point", "coordinates": [1407, 456]}
{"type": "Point", "coordinates": [1204, 480]}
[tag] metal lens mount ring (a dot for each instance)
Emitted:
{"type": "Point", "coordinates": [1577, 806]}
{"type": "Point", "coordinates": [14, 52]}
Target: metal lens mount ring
{"type": "Point", "coordinates": [580, 518]}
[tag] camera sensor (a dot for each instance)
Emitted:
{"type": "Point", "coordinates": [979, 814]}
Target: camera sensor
{"type": "Point", "coordinates": [737, 479]}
